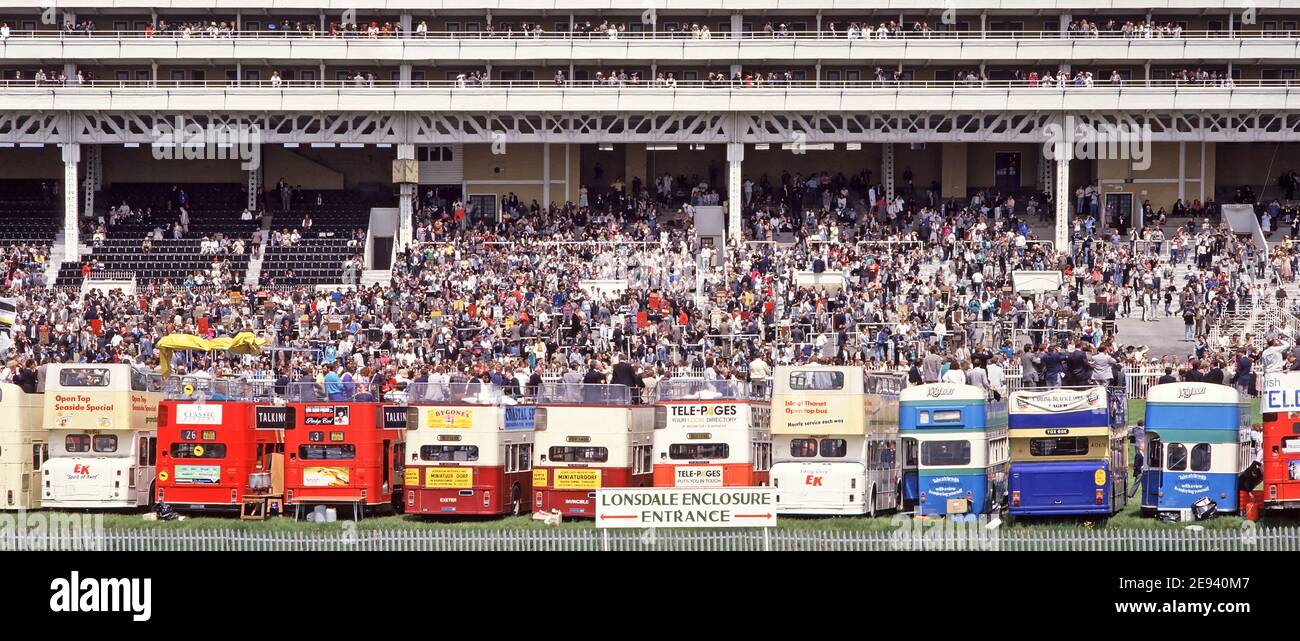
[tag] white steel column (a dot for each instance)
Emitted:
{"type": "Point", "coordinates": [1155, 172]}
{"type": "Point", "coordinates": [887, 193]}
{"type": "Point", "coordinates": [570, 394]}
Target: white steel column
{"type": "Point", "coordinates": [546, 176]}
{"type": "Point", "coordinates": [735, 202]}
{"type": "Point", "coordinates": [1061, 196]}
{"type": "Point", "coordinates": [255, 182]}
{"type": "Point", "coordinates": [406, 202]}
{"type": "Point", "coordinates": [71, 241]}
{"type": "Point", "coordinates": [887, 170]}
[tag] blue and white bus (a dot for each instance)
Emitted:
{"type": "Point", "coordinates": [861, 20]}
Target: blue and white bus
{"type": "Point", "coordinates": [960, 439]}
{"type": "Point", "coordinates": [1067, 453]}
{"type": "Point", "coordinates": [1197, 443]}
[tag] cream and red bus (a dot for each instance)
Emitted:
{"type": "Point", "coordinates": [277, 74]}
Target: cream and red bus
{"type": "Point", "coordinates": [23, 448]}
{"type": "Point", "coordinates": [589, 436]}
{"type": "Point", "coordinates": [835, 432]}
{"type": "Point", "coordinates": [102, 420]}
{"type": "Point", "coordinates": [712, 433]}
{"type": "Point", "coordinates": [469, 450]}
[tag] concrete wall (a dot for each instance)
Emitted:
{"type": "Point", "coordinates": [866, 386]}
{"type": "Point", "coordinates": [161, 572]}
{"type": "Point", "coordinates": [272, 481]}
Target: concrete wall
{"type": "Point", "coordinates": [1175, 172]}
{"type": "Point", "coordinates": [31, 163]}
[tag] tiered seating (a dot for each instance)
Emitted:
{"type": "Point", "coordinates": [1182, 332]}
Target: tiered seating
{"type": "Point", "coordinates": [170, 260]}
{"type": "Point", "coordinates": [318, 258]}
{"type": "Point", "coordinates": [28, 211]}
{"type": "Point", "coordinates": [314, 261]}
{"type": "Point", "coordinates": [214, 208]}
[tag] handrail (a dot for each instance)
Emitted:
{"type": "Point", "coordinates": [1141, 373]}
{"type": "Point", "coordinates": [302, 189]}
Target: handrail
{"type": "Point", "coordinates": [840, 34]}
{"type": "Point", "coordinates": [645, 86]}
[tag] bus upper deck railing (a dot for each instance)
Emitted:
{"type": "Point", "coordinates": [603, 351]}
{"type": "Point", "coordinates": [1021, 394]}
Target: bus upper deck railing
{"type": "Point", "coordinates": [645, 85]}
{"type": "Point", "coordinates": [713, 390]}
{"type": "Point", "coordinates": [470, 392]}
{"type": "Point", "coordinates": [331, 391]}
{"type": "Point", "coordinates": [585, 394]}
{"type": "Point", "coordinates": [206, 388]}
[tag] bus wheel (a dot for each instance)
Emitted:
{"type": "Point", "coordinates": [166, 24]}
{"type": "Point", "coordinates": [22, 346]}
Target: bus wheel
{"type": "Point", "coordinates": [898, 498]}
{"type": "Point", "coordinates": [515, 493]}
{"type": "Point", "coordinates": [153, 492]}
{"type": "Point", "coordinates": [871, 506]}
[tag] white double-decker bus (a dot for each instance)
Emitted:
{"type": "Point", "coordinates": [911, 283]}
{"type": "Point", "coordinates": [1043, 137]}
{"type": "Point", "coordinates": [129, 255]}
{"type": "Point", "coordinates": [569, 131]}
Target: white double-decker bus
{"type": "Point", "coordinates": [712, 434]}
{"type": "Point", "coordinates": [836, 442]}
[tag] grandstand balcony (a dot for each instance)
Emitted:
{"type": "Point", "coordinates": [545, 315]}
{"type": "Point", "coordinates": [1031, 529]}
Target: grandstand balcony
{"type": "Point", "coordinates": [687, 96]}
{"type": "Point", "coordinates": [970, 46]}
{"type": "Point", "coordinates": [173, 260]}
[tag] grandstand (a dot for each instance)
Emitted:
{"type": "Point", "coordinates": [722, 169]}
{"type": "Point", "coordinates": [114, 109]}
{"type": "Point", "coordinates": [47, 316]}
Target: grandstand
{"type": "Point", "coordinates": [686, 187]}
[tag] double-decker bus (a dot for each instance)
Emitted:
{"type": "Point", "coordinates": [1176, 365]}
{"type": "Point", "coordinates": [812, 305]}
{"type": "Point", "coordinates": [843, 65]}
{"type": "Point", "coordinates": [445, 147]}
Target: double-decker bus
{"type": "Point", "coordinates": [1198, 443]}
{"type": "Point", "coordinates": [102, 421]}
{"type": "Point", "coordinates": [342, 446]}
{"type": "Point", "coordinates": [836, 440]}
{"type": "Point", "coordinates": [712, 433]}
{"type": "Point", "coordinates": [216, 447]}
{"type": "Point", "coordinates": [960, 437]}
{"type": "Point", "coordinates": [1281, 441]}
{"type": "Point", "coordinates": [1067, 454]}
{"type": "Point", "coordinates": [588, 437]}
{"type": "Point", "coordinates": [469, 451]}
{"type": "Point", "coordinates": [23, 448]}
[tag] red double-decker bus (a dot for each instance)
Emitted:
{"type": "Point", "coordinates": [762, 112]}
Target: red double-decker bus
{"type": "Point", "coordinates": [589, 437]}
{"type": "Point", "coordinates": [343, 447]}
{"type": "Point", "coordinates": [1281, 468]}
{"type": "Point", "coordinates": [211, 454]}
{"type": "Point", "coordinates": [470, 449]}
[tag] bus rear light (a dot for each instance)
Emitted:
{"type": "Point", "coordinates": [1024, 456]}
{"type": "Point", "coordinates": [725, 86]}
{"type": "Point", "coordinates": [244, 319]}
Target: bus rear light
{"type": "Point", "coordinates": [410, 498]}
{"type": "Point", "coordinates": [487, 498]}
{"type": "Point", "coordinates": [289, 495]}
{"type": "Point", "coordinates": [539, 500]}
{"type": "Point", "coordinates": [10, 495]}
{"type": "Point", "coordinates": [1015, 498]}
{"type": "Point", "coordinates": [363, 495]}
{"type": "Point", "coordinates": [1272, 492]}
{"type": "Point", "coordinates": [776, 482]}
{"type": "Point", "coordinates": [853, 483]}
{"type": "Point", "coordinates": [591, 495]}
{"type": "Point", "coordinates": [923, 497]}
{"type": "Point", "coordinates": [1101, 497]}
{"type": "Point", "coordinates": [234, 496]}
{"type": "Point", "coordinates": [160, 495]}
{"type": "Point", "coordinates": [1160, 493]}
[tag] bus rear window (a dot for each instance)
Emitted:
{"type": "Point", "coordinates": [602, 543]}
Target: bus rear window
{"type": "Point", "coordinates": [198, 450]}
{"type": "Point", "coordinates": [816, 380]}
{"type": "Point", "coordinates": [76, 443]}
{"type": "Point", "coordinates": [803, 447]}
{"type": "Point", "coordinates": [1291, 445]}
{"type": "Point", "coordinates": [1201, 457]}
{"type": "Point", "coordinates": [461, 453]}
{"type": "Point", "coordinates": [834, 447]}
{"type": "Point", "coordinates": [1060, 446]}
{"type": "Point", "coordinates": [693, 451]}
{"type": "Point", "coordinates": [563, 454]}
{"type": "Point", "coordinates": [106, 443]}
{"type": "Point", "coordinates": [1176, 457]}
{"type": "Point", "coordinates": [945, 453]}
{"type": "Point", "coordinates": [327, 452]}
{"type": "Point", "coordinates": [84, 377]}
{"type": "Point", "coordinates": [947, 416]}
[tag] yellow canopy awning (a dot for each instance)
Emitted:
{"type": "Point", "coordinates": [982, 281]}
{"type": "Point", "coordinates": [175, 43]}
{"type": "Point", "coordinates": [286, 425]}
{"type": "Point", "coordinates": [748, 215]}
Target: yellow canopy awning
{"type": "Point", "coordinates": [243, 343]}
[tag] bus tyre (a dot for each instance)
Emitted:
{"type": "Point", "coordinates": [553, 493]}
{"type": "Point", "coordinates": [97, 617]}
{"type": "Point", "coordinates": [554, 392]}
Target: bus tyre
{"type": "Point", "coordinates": [898, 498]}
{"type": "Point", "coordinates": [871, 505]}
{"type": "Point", "coordinates": [515, 494]}
{"type": "Point", "coordinates": [153, 493]}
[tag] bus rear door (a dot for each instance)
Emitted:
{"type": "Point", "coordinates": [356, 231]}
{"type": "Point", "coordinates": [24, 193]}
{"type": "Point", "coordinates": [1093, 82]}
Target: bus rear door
{"type": "Point", "coordinates": [1153, 474]}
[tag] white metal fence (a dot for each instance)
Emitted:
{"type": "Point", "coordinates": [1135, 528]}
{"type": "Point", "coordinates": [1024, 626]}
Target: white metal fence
{"type": "Point", "coordinates": [909, 536]}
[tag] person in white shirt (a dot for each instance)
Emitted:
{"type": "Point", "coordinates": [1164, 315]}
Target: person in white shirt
{"type": "Point", "coordinates": [955, 374]}
{"type": "Point", "coordinates": [997, 376]}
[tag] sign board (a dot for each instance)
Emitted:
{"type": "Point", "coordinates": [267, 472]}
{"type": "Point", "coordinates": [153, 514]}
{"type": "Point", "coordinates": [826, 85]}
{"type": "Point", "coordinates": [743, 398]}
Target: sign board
{"type": "Point", "coordinates": [665, 507]}
{"type": "Point", "coordinates": [272, 417]}
{"type": "Point", "coordinates": [1033, 282]}
{"type": "Point", "coordinates": [195, 414]}
{"type": "Point", "coordinates": [1281, 392]}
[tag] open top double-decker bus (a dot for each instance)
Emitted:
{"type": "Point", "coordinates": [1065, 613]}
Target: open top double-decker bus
{"type": "Point", "coordinates": [836, 440]}
{"type": "Point", "coordinates": [1067, 454]}
{"type": "Point", "coordinates": [588, 437]}
{"type": "Point", "coordinates": [1198, 444]}
{"type": "Point", "coordinates": [469, 450]}
{"type": "Point", "coordinates": [23, 448]}
{"type": "Point", "coordinates": [102, 420]}
{"type": "Point", "coordinates": [960, 437]}
{"type": "Point", "coordinates": [712, 433]}
{"type": "Point", "coordinates": [217, 448]}
{"type": "Point", "coordinates": [343, 446]}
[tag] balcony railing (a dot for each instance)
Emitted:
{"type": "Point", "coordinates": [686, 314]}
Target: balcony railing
{"type": "Point", "coordinates": [644, 85]}
{"type": "Point", "coordinates": [823, 35]}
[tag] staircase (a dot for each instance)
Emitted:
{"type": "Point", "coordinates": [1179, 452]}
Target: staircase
{"type": "Point", "coordinates": [372, 277]}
